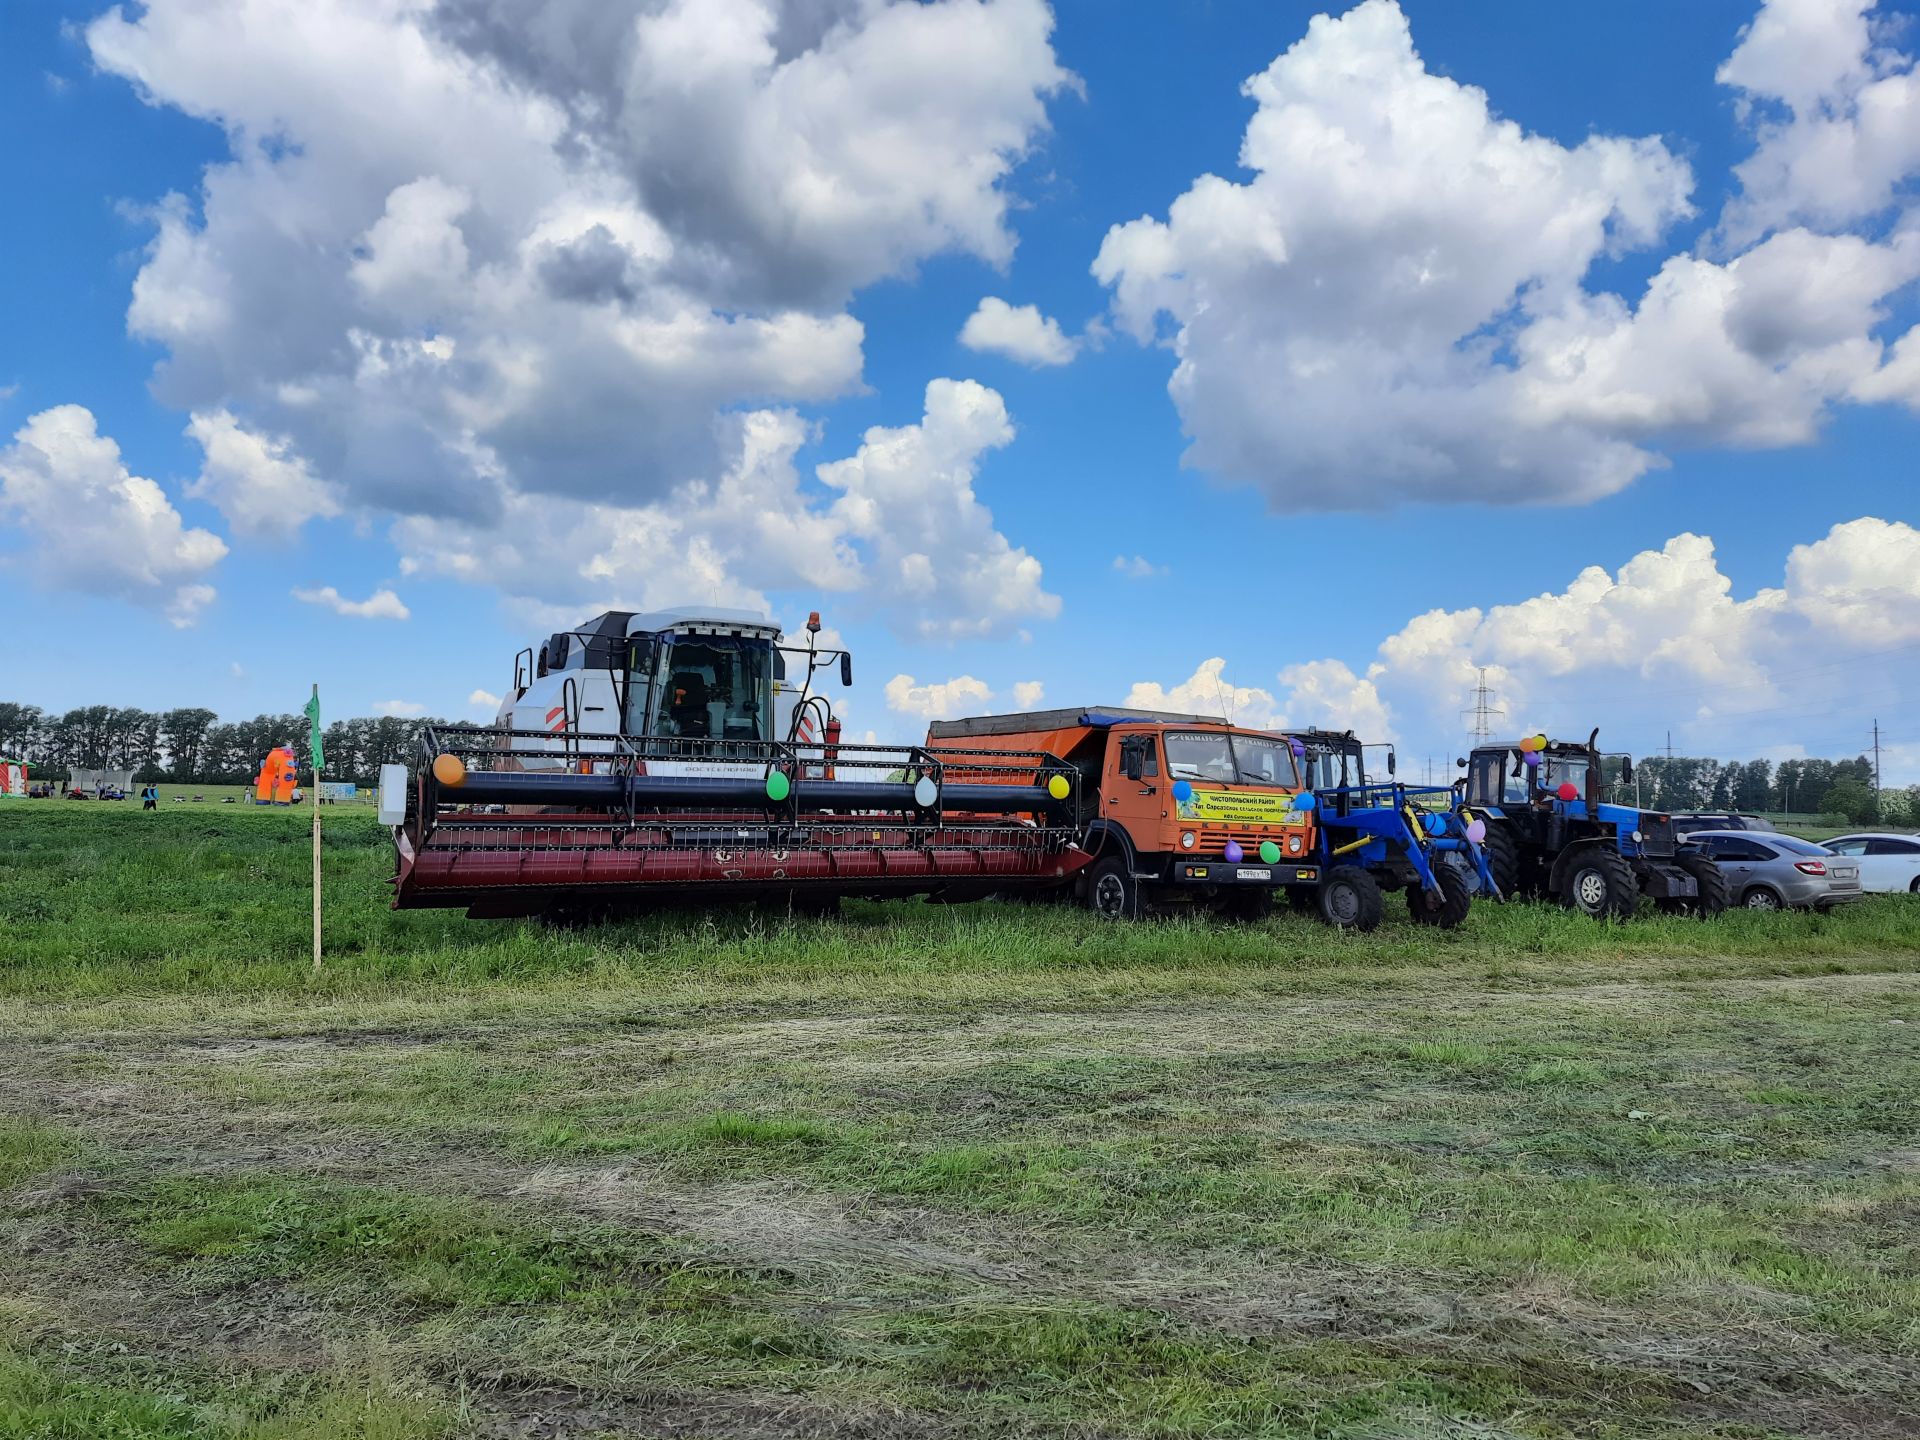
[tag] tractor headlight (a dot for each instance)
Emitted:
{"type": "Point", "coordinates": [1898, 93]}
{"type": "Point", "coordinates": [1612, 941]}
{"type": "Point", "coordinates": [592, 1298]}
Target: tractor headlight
{"type": "Point", "coordinates": [1186, 840]}
{"type": "Point", "coordinates": [1635, 837]}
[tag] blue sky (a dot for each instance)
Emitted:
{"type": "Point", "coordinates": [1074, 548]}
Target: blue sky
{"type": "Point", "coordinates": [1349, 471]}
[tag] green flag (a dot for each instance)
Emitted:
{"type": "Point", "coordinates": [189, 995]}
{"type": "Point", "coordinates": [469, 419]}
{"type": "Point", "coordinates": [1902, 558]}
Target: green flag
{"type": "Point", "coordinates": [313, 735]}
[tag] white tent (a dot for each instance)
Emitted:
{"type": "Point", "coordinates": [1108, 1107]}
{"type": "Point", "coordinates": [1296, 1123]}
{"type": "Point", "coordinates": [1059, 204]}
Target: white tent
{"type": "Point", "coordinates": [91, 780]}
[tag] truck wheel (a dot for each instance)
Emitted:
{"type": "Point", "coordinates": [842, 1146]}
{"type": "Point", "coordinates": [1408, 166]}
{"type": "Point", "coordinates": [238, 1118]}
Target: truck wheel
{"type": "Point", "coordinates": [1451, 909]}
{"type": "Point", "coordinates": [1503, 859]}
{"type": "Point", "coordinates": [1600, 883]}
{"type": "Point", "coordinates": [1715, 893]}
{"type": "Point", "coordinates": [1113, 893]}
{"type": "Point", "coordinates": [1350, 899]}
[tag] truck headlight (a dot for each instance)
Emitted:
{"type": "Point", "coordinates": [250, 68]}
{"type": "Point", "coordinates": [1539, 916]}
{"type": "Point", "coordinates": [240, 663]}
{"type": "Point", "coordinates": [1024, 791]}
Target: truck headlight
{"type": "Point", "coordinates": [1293, 844]}
{"type": "Point", "coordinates": [1186, 839]}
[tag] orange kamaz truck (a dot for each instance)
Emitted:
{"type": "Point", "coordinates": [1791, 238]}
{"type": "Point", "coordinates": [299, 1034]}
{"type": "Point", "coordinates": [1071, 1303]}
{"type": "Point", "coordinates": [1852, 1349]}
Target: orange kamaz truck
{"type": "Point", "coordinates": [1175, 809]}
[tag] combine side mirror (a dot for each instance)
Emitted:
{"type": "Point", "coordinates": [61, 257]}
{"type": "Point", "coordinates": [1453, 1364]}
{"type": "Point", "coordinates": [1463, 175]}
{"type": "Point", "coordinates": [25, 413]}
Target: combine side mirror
{"type": "Point", "coordinates": [846, 668]}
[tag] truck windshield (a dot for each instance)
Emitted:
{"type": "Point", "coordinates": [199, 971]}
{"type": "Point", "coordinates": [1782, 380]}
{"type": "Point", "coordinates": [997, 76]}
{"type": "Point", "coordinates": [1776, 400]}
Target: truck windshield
{"type": "Point", "coordinates": [1229, 759]}
{"type": "Point", "coordinates": [714, 687]}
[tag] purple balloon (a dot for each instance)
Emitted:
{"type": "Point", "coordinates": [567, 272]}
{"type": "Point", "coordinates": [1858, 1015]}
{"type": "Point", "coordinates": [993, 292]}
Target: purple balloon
{"type": "Point", "coordinates": [1532, 758]}
{"type": "Point", "coordinates": [1477, 831]}
{"type": "Point", "coordinates": [1299, 749]}
{"type": "Point", "coordinates": [1234, 854]}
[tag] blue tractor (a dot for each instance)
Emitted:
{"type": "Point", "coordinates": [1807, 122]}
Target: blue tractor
{"type": "Point", "coordinates": [1383, 835]}
{"type": "Point", "coordinates": [1550, 833]}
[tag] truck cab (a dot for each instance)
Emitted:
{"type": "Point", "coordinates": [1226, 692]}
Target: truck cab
{"type": "Point", "coordinates": [1177, 809]}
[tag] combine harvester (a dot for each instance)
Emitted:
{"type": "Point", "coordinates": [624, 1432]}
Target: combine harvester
{"type": "Point", "coordinates": [648, 760]}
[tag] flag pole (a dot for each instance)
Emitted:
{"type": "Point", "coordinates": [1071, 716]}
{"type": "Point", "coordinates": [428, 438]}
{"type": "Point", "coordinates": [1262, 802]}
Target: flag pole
{"type": "Point", "coordinates": [317, 759]}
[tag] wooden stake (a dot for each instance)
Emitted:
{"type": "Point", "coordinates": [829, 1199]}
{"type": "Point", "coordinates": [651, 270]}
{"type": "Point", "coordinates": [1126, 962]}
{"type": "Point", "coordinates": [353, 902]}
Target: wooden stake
{"type": "Point", "coordinates": [315, 798]}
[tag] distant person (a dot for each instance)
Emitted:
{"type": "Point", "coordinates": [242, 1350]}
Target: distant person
{"type": "Point", "coordinates": [150, 798]}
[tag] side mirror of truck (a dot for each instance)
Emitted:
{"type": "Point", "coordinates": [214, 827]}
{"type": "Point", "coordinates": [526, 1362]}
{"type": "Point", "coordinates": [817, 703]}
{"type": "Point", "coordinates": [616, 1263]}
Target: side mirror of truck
{"type": "Point", "coordinates": [846, 668]}
{"type": "Point", "coordinates": [1132, 762]}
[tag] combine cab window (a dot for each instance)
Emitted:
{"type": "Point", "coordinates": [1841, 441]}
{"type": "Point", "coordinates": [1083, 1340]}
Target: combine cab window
{"type": "Point", "coordinates": [714, 688]}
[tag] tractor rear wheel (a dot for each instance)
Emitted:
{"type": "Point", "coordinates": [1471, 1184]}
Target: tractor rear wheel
{"type": "Point", "coordinates": [1450, 909]}
{"type": "Point", "coordinates": [1503, 859]}
{"type": "Point", "coordinates": [1350, 899]}
{"type": "Point", "coordinates": [1113, 893]}
{"type": "Point", "coordinates": [1715, 893]}
{"type": "Point", "coordinates": [1599, 882]}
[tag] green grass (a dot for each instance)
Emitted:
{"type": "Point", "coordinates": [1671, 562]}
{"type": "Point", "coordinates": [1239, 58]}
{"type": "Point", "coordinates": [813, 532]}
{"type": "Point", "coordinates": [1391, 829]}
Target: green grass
{"type": "Point", "coordinates": [1000, 1168]}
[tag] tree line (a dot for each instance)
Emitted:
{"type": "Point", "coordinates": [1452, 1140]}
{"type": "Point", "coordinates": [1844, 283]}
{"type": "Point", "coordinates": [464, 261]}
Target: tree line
{"type": "Point", "coordinates": [192, 746]}
{"type": "Point", "coordinates": [1812, 787]}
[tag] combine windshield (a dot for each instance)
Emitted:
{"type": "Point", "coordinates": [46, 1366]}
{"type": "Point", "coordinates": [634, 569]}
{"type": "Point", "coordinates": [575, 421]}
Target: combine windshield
{"type": "Point", "coordinates": [1222, 759]}
{"type": "Point", "coordinates": [714, 687]}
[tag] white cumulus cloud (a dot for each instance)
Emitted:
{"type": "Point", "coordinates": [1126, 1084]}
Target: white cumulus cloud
{"type": "Point", "coordinates": [467, 250]}
{"type": "Point", "coordinates": [399, 709]}
{"type": "Point", "coordinates": [1027, 694]}
{"type": "Point", "coordinates": [1020, 332]}
{"type": "Point", "coordinates": [1208, 691]}
{"type": "Point", "coordinates": [937, 699]}
{"type": "Point", "coordinates": [1349, 334]}
{"type": "Point", "coordinates": [380, 605]}
{"type": "Point", "coordinates": [256, 481]}
{"type": "Point", "coordinates": [93, 526]}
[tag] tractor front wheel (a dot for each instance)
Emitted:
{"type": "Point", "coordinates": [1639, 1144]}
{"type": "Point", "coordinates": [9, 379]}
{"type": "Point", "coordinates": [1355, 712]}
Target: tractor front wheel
{"type": "Point", "coordinates": [1450, 909]}
{"type": "Point", "coordinates": [1600, 883]}
{"type": "Point", "coordinates": [1350, 899]}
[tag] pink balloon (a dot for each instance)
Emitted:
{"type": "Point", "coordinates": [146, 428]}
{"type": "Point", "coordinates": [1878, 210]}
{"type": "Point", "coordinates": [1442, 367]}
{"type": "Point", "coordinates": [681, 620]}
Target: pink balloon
{"type": "Point", "coordinates": [1477, 831]}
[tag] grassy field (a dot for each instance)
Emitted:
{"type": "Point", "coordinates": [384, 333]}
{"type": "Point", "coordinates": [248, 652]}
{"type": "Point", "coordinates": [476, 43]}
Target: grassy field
{"type": "Point", "coordinates": [931, 1170]}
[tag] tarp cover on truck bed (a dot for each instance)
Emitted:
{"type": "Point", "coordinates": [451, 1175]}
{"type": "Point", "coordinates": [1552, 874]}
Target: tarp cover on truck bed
{"type": "Point", "coordinates": [1030, 720]}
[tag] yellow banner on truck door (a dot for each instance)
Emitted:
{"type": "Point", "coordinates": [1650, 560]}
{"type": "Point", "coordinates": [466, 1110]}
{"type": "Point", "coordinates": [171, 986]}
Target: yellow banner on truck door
{"type": "Point", "coordinates": [1241, 807]}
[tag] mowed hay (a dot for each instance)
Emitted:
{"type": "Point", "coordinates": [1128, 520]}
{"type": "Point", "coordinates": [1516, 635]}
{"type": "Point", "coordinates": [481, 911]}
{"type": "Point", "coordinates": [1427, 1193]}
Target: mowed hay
{"type": "Point", "coordinates": [932, 1170]}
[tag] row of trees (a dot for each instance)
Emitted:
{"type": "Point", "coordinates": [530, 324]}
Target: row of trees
{"type": "Point", "coordinates": [1828, 787]}
{"type": "Point", "coordinates": [191, 746]}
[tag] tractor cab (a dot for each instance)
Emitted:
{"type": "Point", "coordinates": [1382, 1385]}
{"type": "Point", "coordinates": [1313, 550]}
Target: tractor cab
{"type": "Point", "coordinates": [1336, 760]}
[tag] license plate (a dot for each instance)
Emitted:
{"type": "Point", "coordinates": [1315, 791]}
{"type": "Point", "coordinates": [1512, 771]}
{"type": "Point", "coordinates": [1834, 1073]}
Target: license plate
{"type": "Point", "coordinates": [1847, 874]}
{"type": "Point", "coordinates": [1253, 874]}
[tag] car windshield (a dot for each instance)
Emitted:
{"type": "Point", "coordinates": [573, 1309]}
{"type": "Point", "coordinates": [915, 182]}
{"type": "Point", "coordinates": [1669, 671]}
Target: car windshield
{"type": "Point", "coordinates": [1224, 759]}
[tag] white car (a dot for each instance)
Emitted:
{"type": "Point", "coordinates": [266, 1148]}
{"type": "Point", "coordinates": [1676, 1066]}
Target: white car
{"type": "Point", "coordinates": [1887, 862]}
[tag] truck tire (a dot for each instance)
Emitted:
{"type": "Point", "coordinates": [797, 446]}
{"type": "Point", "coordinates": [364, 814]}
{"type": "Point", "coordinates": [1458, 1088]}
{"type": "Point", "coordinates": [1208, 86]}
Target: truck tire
{"type": "Point", "coordinates": [1350, 899]}
{"type": "Point", "coordinates": [1503, 859]}
{"type": "Point", "coordinates": [1113, 893]}
{"type": "Point", "coordinates": [1455, 900]}
{"type": "Point", "coordinates": [1599, 882]}
{"type": "Point", "coordinates": [1715, 893]}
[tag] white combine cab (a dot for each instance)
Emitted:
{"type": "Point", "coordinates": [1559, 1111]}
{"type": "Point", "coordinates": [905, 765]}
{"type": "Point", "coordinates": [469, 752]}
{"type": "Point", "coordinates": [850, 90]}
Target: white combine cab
{"type": "Point", "coordinates": [708, 677]}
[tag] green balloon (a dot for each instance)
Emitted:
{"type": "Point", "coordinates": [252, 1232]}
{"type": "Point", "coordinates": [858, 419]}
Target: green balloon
{"type": "Point", "coordinates": [1269, 852]}
{"type": "Point", "coordinates": [778, 786]}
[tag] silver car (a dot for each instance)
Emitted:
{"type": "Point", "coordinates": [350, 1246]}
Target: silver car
{"type": "Point", "coordinates": [1778, 872]}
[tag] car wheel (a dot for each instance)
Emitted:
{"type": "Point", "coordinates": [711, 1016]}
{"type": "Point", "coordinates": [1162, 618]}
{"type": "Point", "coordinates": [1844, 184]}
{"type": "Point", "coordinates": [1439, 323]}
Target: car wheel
{"type": "Point", "coordinates": [1914, 889]}
{"type": "Point", "coordinates": [1113, 893]}
{"type": "Point", "coordinates": [1761, 898]}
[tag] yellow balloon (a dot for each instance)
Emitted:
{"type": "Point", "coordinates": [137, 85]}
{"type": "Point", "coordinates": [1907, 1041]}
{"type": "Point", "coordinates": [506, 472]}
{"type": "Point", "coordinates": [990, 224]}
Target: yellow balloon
{"type": "Point", "coordinates": [449, 770]}
{"type": "Point", "coordinates": [1057, 787]}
